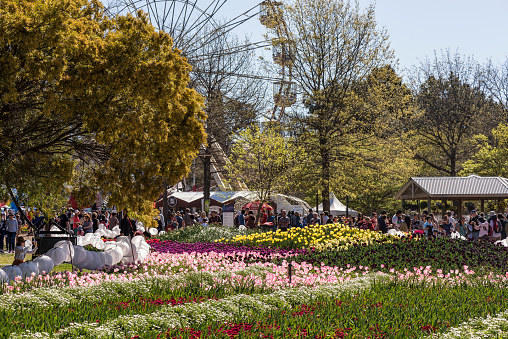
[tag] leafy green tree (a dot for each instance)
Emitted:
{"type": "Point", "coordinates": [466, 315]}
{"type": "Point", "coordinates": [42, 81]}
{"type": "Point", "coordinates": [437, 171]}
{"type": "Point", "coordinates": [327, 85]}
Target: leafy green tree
{"type": "Point", "coordinates": [454, 107]}
{"type": "Point", "coordinates": [377, 167]}
{"type": "Point", "coordinates": [375, 175]}
{"type": "Point", "coordinates": [263, 159]}
{"type": "Point", "coordinates": [106, 97]}
{"type": "Point", "coordinates": [491, 156]}
{"type": "Point", "coordinates": [335, 46]}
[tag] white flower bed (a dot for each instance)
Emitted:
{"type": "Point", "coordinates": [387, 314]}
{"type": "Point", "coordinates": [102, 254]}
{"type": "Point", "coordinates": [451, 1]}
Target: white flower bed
{"type": "Point", "coordinates": [188, 315]}
{"type": "Point", "coordinates": [62, 296]}
{"type": "Point", "coordinates": [489, 327]}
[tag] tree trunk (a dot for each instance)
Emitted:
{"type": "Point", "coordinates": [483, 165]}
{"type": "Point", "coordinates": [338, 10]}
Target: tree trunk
{"type": "Point", "coordinates": [165, 205]}
{"type": "Point", "coordinates": [256, 223]}
{"type": "Point", "coordinates": [206, 180]}
{"type": "Point", "coordinates": [453, 163]}
{"type": "Point", "coordinates": [325, 173]}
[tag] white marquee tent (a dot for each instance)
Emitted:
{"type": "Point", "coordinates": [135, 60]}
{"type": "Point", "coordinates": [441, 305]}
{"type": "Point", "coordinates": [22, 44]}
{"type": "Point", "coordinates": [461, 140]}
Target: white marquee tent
{"type": "Point", "coordinates": [338, 208]}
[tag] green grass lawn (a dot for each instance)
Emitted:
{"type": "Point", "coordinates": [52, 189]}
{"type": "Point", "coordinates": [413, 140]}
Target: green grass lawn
{"type": "Point", "coordinates": [7, 259]}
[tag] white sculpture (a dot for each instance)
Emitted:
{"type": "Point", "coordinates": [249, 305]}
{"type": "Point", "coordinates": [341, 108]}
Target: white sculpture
{"type": "Point", "coordinates": [123, 250]}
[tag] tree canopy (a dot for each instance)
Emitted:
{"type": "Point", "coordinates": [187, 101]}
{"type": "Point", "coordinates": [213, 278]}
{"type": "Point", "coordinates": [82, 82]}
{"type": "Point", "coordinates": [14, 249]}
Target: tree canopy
{"type": "Point", "coordinates": [105, 98]}
{"type": "Point", "coordinates": [491, 155]}
{"type": "Point", "coordinates": [263, 159]}
{"type": "Point", "coordinates": [454, 107]}
{"type": "Point", "coordinates": [336, 46]}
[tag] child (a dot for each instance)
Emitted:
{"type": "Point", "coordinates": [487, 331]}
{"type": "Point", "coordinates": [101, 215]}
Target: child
{"type": "Point", "coordinates": [21, 251]}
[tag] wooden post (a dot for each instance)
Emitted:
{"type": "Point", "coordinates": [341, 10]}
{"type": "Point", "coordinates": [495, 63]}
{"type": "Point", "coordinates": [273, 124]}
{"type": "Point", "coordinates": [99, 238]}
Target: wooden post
{"type": "Point", "coordinates": [429, 201]}
{"type": "Point", "coordinates": [444, 207]}
{"type": "Point", "coordinates": [460, 209]}
{"type": "Point", "coordinates": [482, 206]}
{"type": "Point", "coordinates": [419, 208]}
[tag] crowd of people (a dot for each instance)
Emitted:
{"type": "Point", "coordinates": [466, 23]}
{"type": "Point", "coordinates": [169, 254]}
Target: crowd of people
{"type": "Point", "coordinates": [10, 227]}
{"type": "Point", "coordinates": [475, 226]}
{"type": "Point", "coordinates": [81, 222]}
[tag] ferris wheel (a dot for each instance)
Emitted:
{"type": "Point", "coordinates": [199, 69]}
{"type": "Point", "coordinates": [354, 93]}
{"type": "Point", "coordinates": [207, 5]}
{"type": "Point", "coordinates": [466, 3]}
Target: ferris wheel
{"type": "Point", "coordinates": [192, 24]}
{"type": "Point", "coordinates": [196, 24]}
{"type": "Point", "coordinates": [284, 88]}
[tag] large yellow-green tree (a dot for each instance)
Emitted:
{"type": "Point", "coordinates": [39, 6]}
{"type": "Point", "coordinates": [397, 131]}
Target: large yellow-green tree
{"type": "Point", "coordinates": [102, 103]}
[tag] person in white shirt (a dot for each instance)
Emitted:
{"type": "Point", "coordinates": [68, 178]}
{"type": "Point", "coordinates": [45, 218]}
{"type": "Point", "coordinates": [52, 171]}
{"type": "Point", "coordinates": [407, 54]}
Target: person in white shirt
{"type": "Point", "coordinates": [484, 228]}
{"type": "Point", "coordinates": [324, 218]}
{"type": "Point", "coordinates": [452, 221]}
{"type": "Point", "coordinates": [11, 225]}
{"type": "Point", "coordinates": [397, 220]}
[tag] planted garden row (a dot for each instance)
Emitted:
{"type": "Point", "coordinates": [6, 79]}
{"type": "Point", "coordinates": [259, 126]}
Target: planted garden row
{"type": "Point", "coordinates": [444, 253]}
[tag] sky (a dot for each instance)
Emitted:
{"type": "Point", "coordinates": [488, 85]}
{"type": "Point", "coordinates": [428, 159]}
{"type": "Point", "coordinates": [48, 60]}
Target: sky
{"type": "Point", "coordinates": [417, 28]}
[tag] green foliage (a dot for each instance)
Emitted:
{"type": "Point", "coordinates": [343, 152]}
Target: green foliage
{"type": "Point", "coordinates": [262, 158]}
{"type": "Point", "coordinates": [119, 301]}
{"type": "Point", "coordinates": [491, 157]}
{"type": "Point", "coordinates": [391, 310]}
{"type": "Point", "coordinates": [375, 173]}
{"type": "Point", "coordinates": [100, 103]}
{"type": "Point", "coordinates": [337, 45]}
{"type": "Point", "coordinates": [374, 169]}
{"type": "Point", "coordinates": [445, 254]}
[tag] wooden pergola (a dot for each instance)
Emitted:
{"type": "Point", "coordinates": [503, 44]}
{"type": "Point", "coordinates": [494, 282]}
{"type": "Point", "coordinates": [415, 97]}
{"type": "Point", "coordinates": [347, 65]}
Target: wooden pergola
{"type": "Point", "coordinates": [460, 189]}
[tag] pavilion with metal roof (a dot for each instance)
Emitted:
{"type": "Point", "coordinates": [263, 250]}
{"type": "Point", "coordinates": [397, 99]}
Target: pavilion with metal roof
{"type": "Point", "coordinates": [470, 188]}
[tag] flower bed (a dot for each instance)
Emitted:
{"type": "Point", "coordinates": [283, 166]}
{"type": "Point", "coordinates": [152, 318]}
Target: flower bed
{"type": "Point", "coordinates": [336, 282]}
{"type": "Point", "coordinates": [198, 233]}
{"type": "Point", "coordinates": [368, 306]}
{"type": "Point", "coordinates": [50, 309]}
{"type": "Point", "coordinates": [394, 310]}
{"type": "Point", "coordinates": [318, 237]}
{"type": "Point", "coordinates": [224, 310]}
{"type": "Point", "coordinates": [167, 246]}
{"type": "Point", "coordinates": [447, 254]}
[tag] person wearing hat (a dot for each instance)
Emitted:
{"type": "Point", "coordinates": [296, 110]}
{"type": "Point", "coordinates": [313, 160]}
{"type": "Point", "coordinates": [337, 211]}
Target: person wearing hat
{"type": "Point", "coordinates": [12, 228]}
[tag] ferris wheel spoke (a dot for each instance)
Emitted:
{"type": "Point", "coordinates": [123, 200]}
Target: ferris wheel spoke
{"type": "Point", "coordinates": [153, 16]}
{"type": "Point", "coordinates": [205, 16]}
{"type": "Point", "coordinates": [177, 26]}
{"type": "Point", "coordinates": [229, 51]}
{"type": "Point", "coordinates": [203, 20]}
{"type": "Point", "coordinates": [222, 31]}
{"type": "Point", "coordinates": [188, 17]}
{"type": "Point", "coordinates": [235, 22]}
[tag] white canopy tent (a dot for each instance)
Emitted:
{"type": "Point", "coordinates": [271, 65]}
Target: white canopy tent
{"type": "Point", "coordinates": [338, 208]}
{"type": "Point", "coordinates": [289, 203]}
